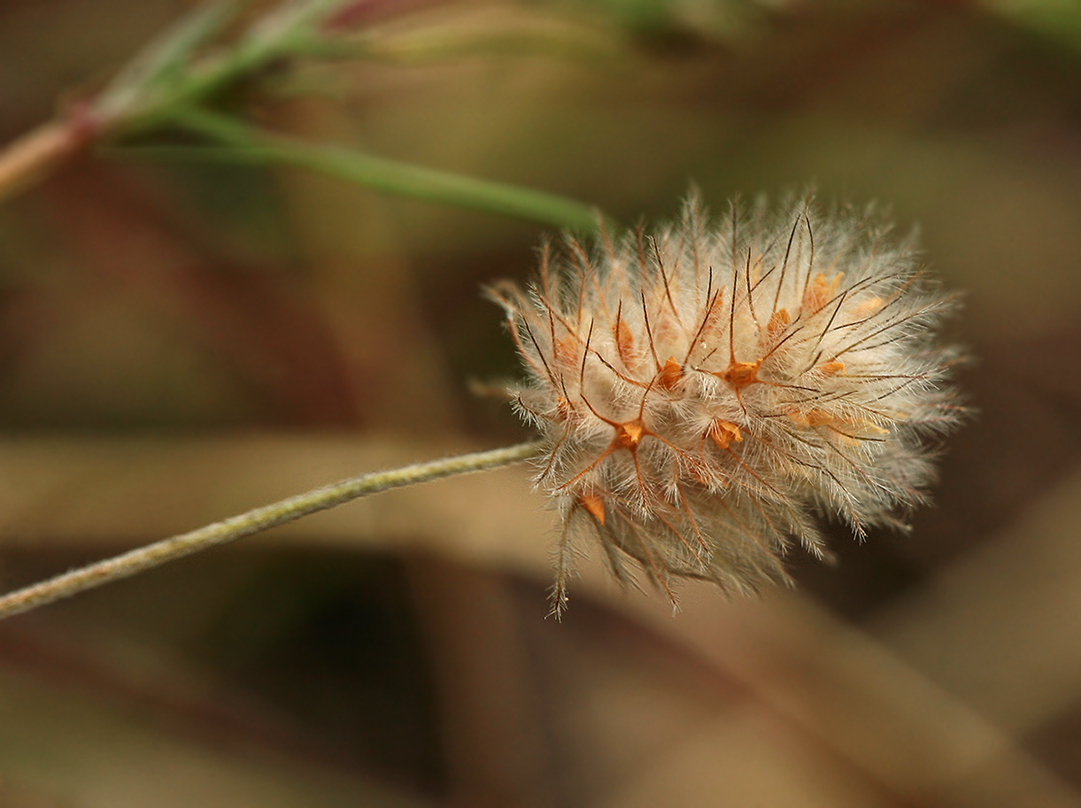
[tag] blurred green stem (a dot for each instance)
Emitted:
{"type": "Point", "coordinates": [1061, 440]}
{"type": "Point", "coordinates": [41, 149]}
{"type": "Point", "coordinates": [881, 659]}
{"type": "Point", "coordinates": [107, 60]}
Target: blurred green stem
{"type": "Point", "coordinates": [254, 521]}
{"type": "Point", "coordinates": [173, 79]}
{"type": "Point", "coordinates": [162, 79]}
{"type": "Point", "coordinates": [163, 76]}
{"type": "Point", "coordinates": [247, 144]}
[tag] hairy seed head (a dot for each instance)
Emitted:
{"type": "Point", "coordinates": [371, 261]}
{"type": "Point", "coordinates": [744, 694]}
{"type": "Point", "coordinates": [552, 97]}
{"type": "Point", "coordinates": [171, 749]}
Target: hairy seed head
{"type": "Point", "coordinates": [708, 389]}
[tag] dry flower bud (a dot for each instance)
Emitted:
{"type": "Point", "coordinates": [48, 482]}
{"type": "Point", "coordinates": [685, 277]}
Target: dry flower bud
{"type": "Point", "coordinates": [708, 390]}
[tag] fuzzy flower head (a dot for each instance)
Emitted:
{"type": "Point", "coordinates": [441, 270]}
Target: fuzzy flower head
{"type": "Point", "coordinates": [707, 390]}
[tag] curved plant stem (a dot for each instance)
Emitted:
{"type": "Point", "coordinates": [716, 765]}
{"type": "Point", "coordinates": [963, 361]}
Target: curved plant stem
{"type": "Point", "coordinates": [247, 144]}
{"type": "Point", "coordinates": [35, 155]}
{"type": "Point", "coordinates": [254, 521]}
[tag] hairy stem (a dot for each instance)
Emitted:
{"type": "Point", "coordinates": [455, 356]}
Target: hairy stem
{"type": "Point", "coordinates": [254, 521]}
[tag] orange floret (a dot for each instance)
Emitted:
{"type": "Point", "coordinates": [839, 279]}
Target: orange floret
{"type": "Point", "coordinates": [566, 350]}
{"type": "Point", "coordinates": [724, 433]}
{"type": "Point", "coordinates": [741, 374]}
{"type": "Point", "coordinates": [777, 323]}
{"type": "Point", "coordinates": [867, 307]}
{"type": "Point", "coordinates": [670, 374]}
{"type": "Point", "coordinates": [811, 417]}
{"type": "Point", "coordinates": [630, 434]}
{"type": "Point", "coordinates": [593, 504]}
{"type": "Point", "coordinates": [820, 291]}
{"type": "Point", "coordinates": [625, 344]}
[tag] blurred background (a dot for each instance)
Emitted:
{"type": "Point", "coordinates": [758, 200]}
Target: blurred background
{"type": "Point", "coordinates": [181, 340]}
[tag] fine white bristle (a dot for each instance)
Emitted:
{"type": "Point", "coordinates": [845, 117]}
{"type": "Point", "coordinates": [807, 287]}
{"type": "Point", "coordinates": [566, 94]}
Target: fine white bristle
{"type": "Point", "coordinates": [707, 390]}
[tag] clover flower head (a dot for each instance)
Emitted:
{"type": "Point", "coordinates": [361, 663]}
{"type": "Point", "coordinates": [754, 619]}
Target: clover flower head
{"type": "Point", "coordinates": [708, 390]}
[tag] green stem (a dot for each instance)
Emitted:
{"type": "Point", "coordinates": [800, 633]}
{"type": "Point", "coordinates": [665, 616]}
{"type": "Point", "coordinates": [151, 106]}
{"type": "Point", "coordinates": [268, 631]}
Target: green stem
{"type": "Point", "coordinates": [142, 102]}
{"type": "Point", "coordinates": [254, 521]}
{"type": "Point", "coordinates": [390, 176]}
